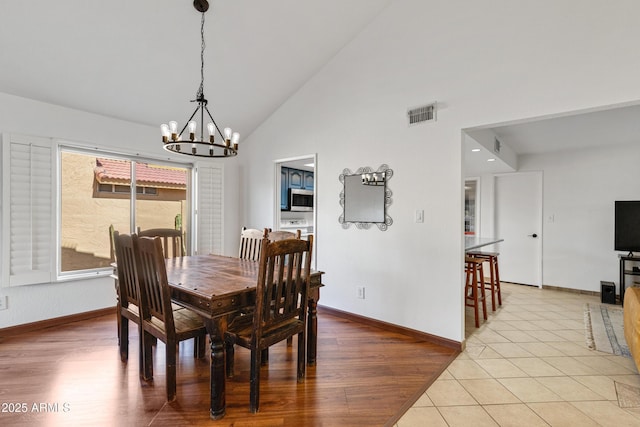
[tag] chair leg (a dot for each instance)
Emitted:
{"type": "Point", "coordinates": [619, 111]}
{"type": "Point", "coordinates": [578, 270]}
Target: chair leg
{"type": "Point", "coordinates": [265, 357]}
{"type": "Point", "coordinates": [172, 349]}
{"type": "Point", "coordinates": [492, 284]}
{"type": "Point", "coordinates": [498, 280]}
{"type": "Point", "coordinates": [254, 381]}
{"type": "Point", "coordinates": [147, 354]}
{"type": "Point", "coordinates": [118, 318]}
{"type": "Point", "coordinates": [302, 356]}
{"type": "Point", "coordinates": [483, 295]}
{"type": "Point", "coordinates": [290, 342]}
{"type": "Point", "coordinates": [123, 324]}
{"type": "Point", "coordinates": [140, 351]}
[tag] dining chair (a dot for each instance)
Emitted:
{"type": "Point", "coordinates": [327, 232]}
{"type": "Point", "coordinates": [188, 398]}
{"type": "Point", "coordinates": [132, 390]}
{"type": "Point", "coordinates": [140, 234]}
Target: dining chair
{"type": "Point", "coordinates": [172, 240]}
{"type": "Point", "coordinates": [159, 320]}
{"type": "Point", "coordinates": [250, 243]}
{"type": "Point", "coordinates": [128, 294]}
{"type": "Point", "coordinates": [280, 311]}
{"type": "Point", "coordinates": [275, 236]}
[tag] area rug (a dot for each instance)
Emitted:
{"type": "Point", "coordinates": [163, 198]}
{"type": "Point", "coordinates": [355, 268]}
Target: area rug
{"type": "Point", "coordinates": [604, 329]}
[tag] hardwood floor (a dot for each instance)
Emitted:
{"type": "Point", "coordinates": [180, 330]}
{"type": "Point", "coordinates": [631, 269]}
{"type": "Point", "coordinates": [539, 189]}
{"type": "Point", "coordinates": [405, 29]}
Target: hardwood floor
{"type": "Point", "coordinates": [72, 375]}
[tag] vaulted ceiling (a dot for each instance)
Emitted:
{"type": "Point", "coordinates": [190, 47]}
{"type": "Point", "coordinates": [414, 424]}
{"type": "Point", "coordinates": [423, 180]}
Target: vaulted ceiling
{"type": "Point", "coordinates": [139, 60]}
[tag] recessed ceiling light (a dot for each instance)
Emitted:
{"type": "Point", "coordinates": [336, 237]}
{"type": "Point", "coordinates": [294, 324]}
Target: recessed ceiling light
{"type": "Point", "coordinates": [491, 160]}
{"type": "Point", "coordinates": [475, 150]}
{"type": "Point", "coordinates": [311, 165]}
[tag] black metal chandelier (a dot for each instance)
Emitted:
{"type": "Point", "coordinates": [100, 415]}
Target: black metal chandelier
{"type": "Point", "coordinates": [197, 145]}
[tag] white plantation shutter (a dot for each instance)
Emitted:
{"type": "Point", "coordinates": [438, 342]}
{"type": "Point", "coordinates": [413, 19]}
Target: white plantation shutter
{"type": "Point", "coordinates": [28, 210]}
{"type": "Point", "coordinates": [209, 210]}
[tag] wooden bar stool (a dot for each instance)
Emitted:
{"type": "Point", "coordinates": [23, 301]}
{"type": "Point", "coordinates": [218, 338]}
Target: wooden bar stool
{"type": "Point", "coordinates": [491, 258]}
{"type": "Point", "coordinates": [474, 282]}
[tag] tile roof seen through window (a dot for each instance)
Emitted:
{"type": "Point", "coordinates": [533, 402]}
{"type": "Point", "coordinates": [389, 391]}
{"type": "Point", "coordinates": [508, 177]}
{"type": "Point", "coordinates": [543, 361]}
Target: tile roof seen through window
{"type": "Point", "coordinates": [118, 171]}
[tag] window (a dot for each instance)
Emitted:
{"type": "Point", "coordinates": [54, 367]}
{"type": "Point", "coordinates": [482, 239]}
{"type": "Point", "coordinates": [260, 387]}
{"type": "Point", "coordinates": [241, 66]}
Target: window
{"type": "Point", "coordinates": [96, 194]}
{"type": "Point", "coordinates": [55, 232]}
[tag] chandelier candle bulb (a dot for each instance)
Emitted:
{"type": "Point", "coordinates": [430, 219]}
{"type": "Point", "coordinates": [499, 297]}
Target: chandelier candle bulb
{"type": "Point", "coordinates": [212, 131]}
{"type": "Point", "coordinates": [192, 131]}
{"type": "Point", "coordinates": [164, 129]}
{"type": "Point", "coordinates": [235, 138]}
{"type": "Point", "coordinates": [173, 127]}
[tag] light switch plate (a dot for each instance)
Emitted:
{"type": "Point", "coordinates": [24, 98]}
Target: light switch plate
{"type": "Point", "coordinates": [419, 215]}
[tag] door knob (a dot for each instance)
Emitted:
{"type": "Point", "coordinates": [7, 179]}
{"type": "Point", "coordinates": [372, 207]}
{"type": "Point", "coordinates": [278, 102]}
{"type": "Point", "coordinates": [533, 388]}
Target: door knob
{"type": "Point", "coordinates": [534, 235]}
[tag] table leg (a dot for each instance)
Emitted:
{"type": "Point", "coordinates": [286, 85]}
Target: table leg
{"type": "Point", "coordinates": [312, 328]}
{"type": "Point", "coordinates": [217, 376]}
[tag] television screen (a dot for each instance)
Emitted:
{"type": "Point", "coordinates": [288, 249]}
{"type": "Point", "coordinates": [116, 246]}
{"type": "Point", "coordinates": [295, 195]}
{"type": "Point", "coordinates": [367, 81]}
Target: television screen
{"type": "Point", "coordinates": [627, 226]}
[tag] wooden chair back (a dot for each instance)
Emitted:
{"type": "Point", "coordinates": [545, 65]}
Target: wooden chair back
{"type": "Point", "coordinates": [283, 285]}
{"type": "Point", "coordinates": [251, 243]}
{"type": "Point", "coordinates": [127, 270]}
{"type": "Point", "coordinates": [172, 240]}
{"type": "Point", "coordinates": [154, 287]}
{"type": "Point", "coordinates": [127, 287]}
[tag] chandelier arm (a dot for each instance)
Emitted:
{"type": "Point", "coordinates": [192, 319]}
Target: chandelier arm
{"type": "Point", "coordinates": [188, 120]}
{"type": "Point", "coordinates": [214, 123]}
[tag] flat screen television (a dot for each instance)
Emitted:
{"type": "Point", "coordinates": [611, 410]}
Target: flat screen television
{"type": "Point", "coordinates": [627, 226]}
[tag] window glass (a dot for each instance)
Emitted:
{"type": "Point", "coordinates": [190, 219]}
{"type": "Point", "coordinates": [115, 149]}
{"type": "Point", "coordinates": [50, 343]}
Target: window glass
{"type": "Point", "coordinates": [95, 198]}
{"type": "Point", "coordinates": [162, 197]}
{"type": "Point", "coordinates": [89, 206]}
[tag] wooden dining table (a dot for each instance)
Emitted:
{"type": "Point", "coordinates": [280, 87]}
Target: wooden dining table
{"type": "Point", "coordinates": [219, 288]}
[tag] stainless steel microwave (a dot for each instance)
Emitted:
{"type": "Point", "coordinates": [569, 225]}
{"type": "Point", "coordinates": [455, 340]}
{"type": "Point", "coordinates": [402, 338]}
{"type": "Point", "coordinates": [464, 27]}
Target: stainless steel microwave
{"type": "Point", "coordinates": [300, 200]}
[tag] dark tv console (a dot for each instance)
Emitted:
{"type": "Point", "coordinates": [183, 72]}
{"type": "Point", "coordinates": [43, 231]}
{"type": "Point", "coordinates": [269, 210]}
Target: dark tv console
{"type": "Point", "coordinates": [627, 271]}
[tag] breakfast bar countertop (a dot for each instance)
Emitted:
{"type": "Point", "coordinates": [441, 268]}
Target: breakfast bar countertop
{"type": "Point", "coordinates": [475, 242]}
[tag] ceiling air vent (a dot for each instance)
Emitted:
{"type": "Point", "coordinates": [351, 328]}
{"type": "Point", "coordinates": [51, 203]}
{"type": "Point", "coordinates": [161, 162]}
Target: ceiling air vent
{"type": "Point", "coordinates": [423, 114]}
{"type": "Point", "coordinates": [496, 145]}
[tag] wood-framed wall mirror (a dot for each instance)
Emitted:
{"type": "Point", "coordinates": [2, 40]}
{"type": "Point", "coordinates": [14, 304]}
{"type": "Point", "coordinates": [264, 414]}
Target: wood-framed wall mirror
{"type": "Point", "coordinates": [366, 197]}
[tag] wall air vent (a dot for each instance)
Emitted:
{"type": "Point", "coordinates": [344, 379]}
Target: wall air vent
{"type": "Point", "coordinates": [496, 145]}
{"type": "Point", "coordinates": [422, 114]}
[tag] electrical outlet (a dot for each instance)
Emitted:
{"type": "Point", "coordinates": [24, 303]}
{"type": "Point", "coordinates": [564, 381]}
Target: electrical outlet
{"type": "Point", "coordinates": [3, 302]}
{"type": "Point", "coordinates": [361, 292]}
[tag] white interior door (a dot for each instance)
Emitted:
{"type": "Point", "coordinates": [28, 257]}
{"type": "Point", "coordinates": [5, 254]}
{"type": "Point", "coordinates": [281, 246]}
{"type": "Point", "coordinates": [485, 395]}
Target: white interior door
{"type": "Point", "coordinates": [518, 198]}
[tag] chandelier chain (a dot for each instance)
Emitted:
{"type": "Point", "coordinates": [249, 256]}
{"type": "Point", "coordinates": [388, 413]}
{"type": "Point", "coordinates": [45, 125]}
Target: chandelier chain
{"type": "Point", "coordinates": [202, 46]}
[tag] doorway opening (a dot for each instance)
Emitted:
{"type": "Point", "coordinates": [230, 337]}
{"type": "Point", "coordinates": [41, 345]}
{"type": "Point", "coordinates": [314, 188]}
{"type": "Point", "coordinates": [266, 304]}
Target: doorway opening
{"type": "Point", "coordinates": [297, 174]}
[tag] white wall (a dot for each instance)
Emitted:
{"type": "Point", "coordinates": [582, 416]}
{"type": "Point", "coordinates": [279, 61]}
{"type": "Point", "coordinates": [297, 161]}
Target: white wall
{"type": "Point", "coordinates": [580, 187]}
{"type": "Point", "coordinates": [484, 62]}
{"type": "Point", "coordinates": [19, 115]}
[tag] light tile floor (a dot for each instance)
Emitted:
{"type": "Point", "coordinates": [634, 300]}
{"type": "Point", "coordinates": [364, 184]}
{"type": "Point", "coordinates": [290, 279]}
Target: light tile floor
{"type": "Point", "coordinates": [528, 365]}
